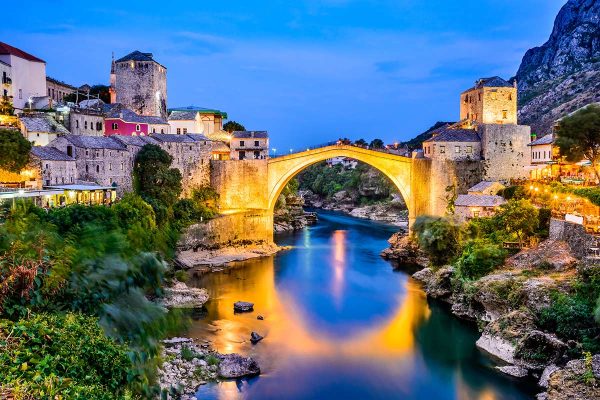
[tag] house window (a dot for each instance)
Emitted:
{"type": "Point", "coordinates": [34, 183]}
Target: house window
{"type": "Point", "coordinates": [504, 114]}
{"type": "Point", "coordinates": [98, 126]}
{"type": "Point", "coordinates": [122, 166]}
{"type": "Point", "coordinates": [115, 126]}
{"type": "Point", "coordinates": [137, 128]}
{"type": "Point", "coordinates": [87, 169]}
{"type": "Point", "coordinates": [476, 214]}
{"type": "Point", "coordinates": [110, 166]}
{"type": "Point", "coordinates": [457, 149]}
{"type": "Point", "coordinates": [162, 131]}
{"type": "Point", "coordinates": [179, 131]}
{"type": "Point", "coordinates": [442, 149]}
{"type": "Point", "coordinates": [77, 124]}
{"type": "Point", "coordinates": [153, 130]}
{"type": "Point", "coordinates": [256, 154]}
{"type": "Point", "coordinates": [97, 168]}
{"type": "Point", "coordinates": [469, 149]}
{"type": "Point", "coordinates": [46, 166]}
{"type": "Point", "coordinates": [70, 151]}
{"type": "Point", "coordinates": [480, 96]}
{"type": "Point", "coordinates": [241, 143]}
{"type": "Point", "coordinates": [242, 155]}
{"type": "Point", "coordinates": [71, 179]}
{"type": "Point", "coordinates": [87, 152]}
{"type": "Point", "coordinates": [110, 180]}
{"type": "Point", "coordinates": [256, 143]}
{"type": "Point", "coordinates": [47, 182]}
{"type": "Point", "coordinates": [184, 131]}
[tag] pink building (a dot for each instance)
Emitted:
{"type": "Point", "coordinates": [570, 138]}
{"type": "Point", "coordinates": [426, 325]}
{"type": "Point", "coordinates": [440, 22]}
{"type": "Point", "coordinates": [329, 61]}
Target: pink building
{"type": "Point", "coordinates": [122, 121]}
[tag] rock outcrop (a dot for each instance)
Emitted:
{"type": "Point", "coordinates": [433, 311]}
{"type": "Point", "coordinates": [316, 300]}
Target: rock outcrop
{"type": "Point", "coordinates": [404, 250]}
{"type": "Point", "coordinates": [235, 366]}
{"type": "Point", "coordinates": [180, 295]}
{"type": "Point", "coordinates": [564, 73]}
{"type": "Point", "coordinates": [578, 380]}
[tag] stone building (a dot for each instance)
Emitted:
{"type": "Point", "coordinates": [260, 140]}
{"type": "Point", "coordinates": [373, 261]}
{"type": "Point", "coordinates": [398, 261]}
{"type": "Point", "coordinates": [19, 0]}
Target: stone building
{"type": "Point", "coordinates": [102, 160]}
{"type": "Point", "coordinates": [55, 167]}
{"type": "Point", "coordinates": [27, 75]}
{"type": "Point", "coordinates": [488, 132]}
{"type": "Point", "coordinates": [453, 144]}
{"type": "Point", "coordinates": [5, 82]}
{"type": "Point", "coordinates": [57, 90]}
{"type": "Point", "coordinates": [206, 121]}
{"type": "Point", "coordinates": [486, 188]}
{"type": "Point", "coordinates": [490, 101]}
{"type": "Point", "coordinates": [249, 145]}
{"type": "Point", "coordinates": [40, 128]}
{"type": "Point", "coordinates": [86, 122]}
{"type": "Point", "coordinates": [469, 206]}
{"type": "Point", "coordinates": [140, 84]}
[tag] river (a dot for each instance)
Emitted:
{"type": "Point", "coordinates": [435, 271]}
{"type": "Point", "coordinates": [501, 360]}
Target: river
{"type": "Point", "coordinates": [340, 323]}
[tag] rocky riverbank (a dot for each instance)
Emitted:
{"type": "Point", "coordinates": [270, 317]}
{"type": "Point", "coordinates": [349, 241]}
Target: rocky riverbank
{"type": "Point", "coordinates": [509, 306]}
{"type": "Point", "coordinates": [214, 259]}
{"type": "Point", "coordinates": [391, 211]}
{"type": "Point", "coordinates": [290, 216]}
{"type": "Point", "coordinates": [188, 365]}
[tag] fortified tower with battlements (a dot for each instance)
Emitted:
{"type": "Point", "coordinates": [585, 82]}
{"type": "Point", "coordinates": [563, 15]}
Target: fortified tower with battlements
{"type": "Point", "coordinates": [139, 83]}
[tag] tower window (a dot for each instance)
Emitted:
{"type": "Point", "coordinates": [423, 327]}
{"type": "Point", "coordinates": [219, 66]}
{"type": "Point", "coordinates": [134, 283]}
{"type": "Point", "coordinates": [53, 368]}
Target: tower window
{"type": "Point", "coordinates": [241, 143]}
{"type": "Point", "coordinates": [85, 124]}
{"type": "Point", "coordinates": [442, 149]}
{"type": "Point", "coordinates": [457, 149]}
{"type": "Point", "coordinates": [137, 127]}
{"type": "Point", "coordinates": [504, 114]}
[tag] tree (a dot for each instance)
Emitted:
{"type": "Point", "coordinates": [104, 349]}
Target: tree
{"type": "Point", "coordinates": [479, 258]}
{"type": "Point", "coordinates": [14, 150]}
{"type": "Point", "coordinates": [232, 126]}
{"type": "Point", "coordinates": [438, 237]}
{"type": "Point", "coordinates": [361, 143]}
{"type": "Point", "coordinates": [519, 217]}
{"type": "Point", "coordinates": [376, 144]}
{"type": "Point", "coordinates": [155, 180]}
{"type": "Point", "coordinates": [97, 90]}
{"type": "Point", "coordinates": [579, 136]}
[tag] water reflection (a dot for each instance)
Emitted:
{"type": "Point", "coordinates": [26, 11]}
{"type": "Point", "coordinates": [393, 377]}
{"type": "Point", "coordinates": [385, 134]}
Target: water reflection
{"type": "Point", "coordinates": [338, 323]}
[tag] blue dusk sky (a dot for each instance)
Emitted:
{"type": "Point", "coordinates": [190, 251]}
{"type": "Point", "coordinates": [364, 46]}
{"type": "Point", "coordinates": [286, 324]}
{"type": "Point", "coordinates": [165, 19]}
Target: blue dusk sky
{"type": "Point", "coordinates": [308, 71]}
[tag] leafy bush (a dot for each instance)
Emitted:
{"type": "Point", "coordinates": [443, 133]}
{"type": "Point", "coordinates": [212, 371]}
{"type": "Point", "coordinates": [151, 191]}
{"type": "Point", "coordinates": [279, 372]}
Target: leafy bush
{"type": "Point", "coordinates": [14, 150]}
{"type": "Point", "coordinates": [479, 258]}
{"type": "Point", "coordinates": [62, 356]}
{"type": "Point", "coordinates": [439, 238]}
{"type": "Point", "coordinates": [513, 192]}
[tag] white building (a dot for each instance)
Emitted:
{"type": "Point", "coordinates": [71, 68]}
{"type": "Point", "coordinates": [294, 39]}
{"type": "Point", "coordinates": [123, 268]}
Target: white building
{"type": "Point", "coordinates": [40, 128]}
{"type": "Point", "coordinates": [27, 75]}
{"type": "Point", "coordinates": [208, 122]}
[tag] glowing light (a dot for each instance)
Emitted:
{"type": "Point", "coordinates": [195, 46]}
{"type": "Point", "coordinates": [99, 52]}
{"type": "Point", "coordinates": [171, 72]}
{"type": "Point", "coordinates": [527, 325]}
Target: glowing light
{"type": "Point", "coordinates": [555, 197]}
{"type": "Point", "coordinates": [568, 198]}
{"type": "Point", "coordinates": [21, 192]}
{"type": "Point", "coordinates": [531, 187]}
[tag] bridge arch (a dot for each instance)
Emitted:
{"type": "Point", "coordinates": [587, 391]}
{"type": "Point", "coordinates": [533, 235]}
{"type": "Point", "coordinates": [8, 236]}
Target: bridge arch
{"type": "Point", "coordinates": [397, 168]}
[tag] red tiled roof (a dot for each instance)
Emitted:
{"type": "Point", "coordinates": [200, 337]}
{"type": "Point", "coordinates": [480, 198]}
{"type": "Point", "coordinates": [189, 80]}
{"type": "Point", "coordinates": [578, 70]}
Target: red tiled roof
{"type": "Point", "coordinates": [8, 49]}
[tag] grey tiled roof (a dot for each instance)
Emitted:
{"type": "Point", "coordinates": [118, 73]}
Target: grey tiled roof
{"type": "Point", "coordinates": [50, 153]}
{"type": "Point", "coordinates": [169, 138]}
{"type": "Point", "coordinates": [481, 186]}
{"type": "Point", "coordinates": [197, 137]}
{"type": "Point", "coordinates": [250, 134]}
{"type": "Point", "coordinates": [473, 200]}
{"type": "Point", "coordinates": [136, 56]}
{"type": "Point", "coordinates": [96, 142]}
{"type": "Point", "coordinates": [42, 123]}
{"type": "Point", "coordinates": [134, 140]}
{"type": "Point", "coordinates": [182, 115]}
{"type": "Point", "coordinates": [120, 111]}
{"type": "Point", "coordinates": [548, 139]}
{"type": "Point", "coordinates": [454, 135]}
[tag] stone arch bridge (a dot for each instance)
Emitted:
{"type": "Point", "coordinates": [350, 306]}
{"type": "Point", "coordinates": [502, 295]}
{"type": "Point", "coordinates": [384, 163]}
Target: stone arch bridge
{"type": "Point", "coordinates": [249, 189]}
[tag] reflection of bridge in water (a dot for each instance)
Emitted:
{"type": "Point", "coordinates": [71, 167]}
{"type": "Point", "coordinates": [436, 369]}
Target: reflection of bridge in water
{"type": "Point", "coordinates": [249, 189]}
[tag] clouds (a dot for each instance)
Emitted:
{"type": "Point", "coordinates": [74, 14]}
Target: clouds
{"type": "Point", "coordinates": [308, 71]}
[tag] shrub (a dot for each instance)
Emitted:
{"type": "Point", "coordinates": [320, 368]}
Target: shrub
{"type": "Point", "coordinates": [479, 257]}
{"type": "Point", "coordinates": [439, 238]}
{"type": "Point", "coordinates": [513, 192]}
{"type": "Point", "coordinates": [62, 356]}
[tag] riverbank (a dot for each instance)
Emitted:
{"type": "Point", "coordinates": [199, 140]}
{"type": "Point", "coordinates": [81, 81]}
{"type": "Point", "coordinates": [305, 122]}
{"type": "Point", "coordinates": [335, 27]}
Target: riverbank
{"type": "Point", "coordinates": [529, 313]}
{"type": "Point", "coordinates": [215, 259]}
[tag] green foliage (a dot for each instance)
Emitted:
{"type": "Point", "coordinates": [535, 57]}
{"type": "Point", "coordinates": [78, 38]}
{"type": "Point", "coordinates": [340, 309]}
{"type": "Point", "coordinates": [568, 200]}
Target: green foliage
{"type": "Point", "coordinates": [62, 356]}
{"type": "Point", "coordinates": [479, 258]}
{"type": "Point", "coordinates": [591, 193]}
{"type": "Point", "coordinates": [518, 217]}
{"type": "Point", "coordinates": [212, 360]}
{"type": "Point", "coordinates": [579, 135]}
{"type": "Point", "coordinates": [572, 315]}
{"type": "Point", "coordinates": [6, 107]}
{"type": "Point", "coordinates": [544, 216]}
{"type": "Point", "coordinates": [376, 144]}
{"type": "Point", "coordinates": [232, 126]}
{"type": "Point", "coordinates": [361, 143]}
{"type": "Point", "coordinates": [156, 181]}
{"type": "Point", "coordinates": [439, 237]}
{"type": "Point", "coordinates": [515, 192]}
{"type": "Point", "coordinates": [182, 276]}
{"type": "Point", "coordinates": [14, 150]}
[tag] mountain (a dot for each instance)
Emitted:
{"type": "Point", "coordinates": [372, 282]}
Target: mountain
{"type": "Point", "coordinates": [563, 74]}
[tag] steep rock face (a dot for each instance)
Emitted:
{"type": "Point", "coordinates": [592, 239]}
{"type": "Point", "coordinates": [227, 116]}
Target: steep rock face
{"type": "Point", "coordinates": [564, 73]}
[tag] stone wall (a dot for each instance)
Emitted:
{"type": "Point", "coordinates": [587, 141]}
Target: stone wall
{"type": "Point", "coordinates": [505, 151]}
{"type": "Point", "coordinates": [490, 105]}
{"type": "Point", "coordinates": [86, 123]}
{"type": "Point", "coordinates": [240, 183]}
{"type": "Point", "coordinates": [575, 235]}
{"type": "Point", "coordinates": [237, 228]}
{"type": "Point", "coordinates": [460, 174]}
{"type": "Point", "coordinates": [193, 161]}
{"type": "Point", "coordinates": [57, 172]}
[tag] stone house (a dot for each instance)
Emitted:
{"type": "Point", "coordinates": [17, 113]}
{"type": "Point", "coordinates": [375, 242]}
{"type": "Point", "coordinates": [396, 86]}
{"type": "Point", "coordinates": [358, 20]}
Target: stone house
{"type": "Point", "coordinates": [192, 119]}
{"type": "Point", "coordinates": [486, 188]}
{"type": "Point", "coordinates": [140, 84]}
{"type": "Point", "coordinates": [252, 145]}
{"type": "Point", "coordinates": [453, 144]}
{"type": "Point", "coordinates": [40, 128]}
{"type": "Point", "coordinates": [57, 90]}
{"type": "Point", "coordinates": [467, 206]}
{"type": "Point", "coordinates": [102, 160]}
{"type": "Point", "coordinates": [86, 122]}
{"type": "Point", "coordinates": [55, 167]}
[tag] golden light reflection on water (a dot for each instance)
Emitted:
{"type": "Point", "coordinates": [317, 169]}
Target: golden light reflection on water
{"type": "Point", "coordinates": [338, 263]}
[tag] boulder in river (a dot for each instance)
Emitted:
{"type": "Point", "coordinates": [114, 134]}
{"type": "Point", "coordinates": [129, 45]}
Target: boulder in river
{"type": "Point", "coordinates": [181, 295]}
{"type": "Point", "coordinates": [235, 366]}
{"type": "Point", "coordinates": [243, 306]}
{"type": "Point", "coordinates": [255, 337]}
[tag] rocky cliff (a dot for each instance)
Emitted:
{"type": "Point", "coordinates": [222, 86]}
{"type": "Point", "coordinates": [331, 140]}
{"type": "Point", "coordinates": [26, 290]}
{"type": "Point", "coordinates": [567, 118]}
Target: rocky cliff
{"type": "Point", "coordinates": [563, 74]}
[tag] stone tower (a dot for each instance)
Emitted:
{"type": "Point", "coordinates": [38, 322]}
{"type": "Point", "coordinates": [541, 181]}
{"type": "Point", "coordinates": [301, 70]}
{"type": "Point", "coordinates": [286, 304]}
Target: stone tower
{"type": "Point", "coordinates": [113, 81]}
{"type": "Point", "coordinates": [490, 101]}
{"type": "Point", "coordinates": [140, 83]}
